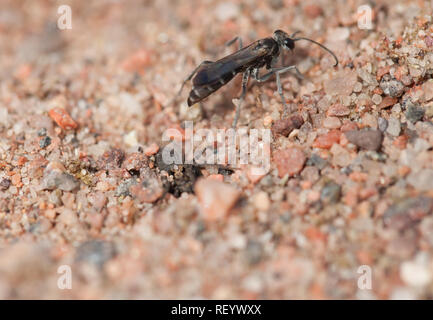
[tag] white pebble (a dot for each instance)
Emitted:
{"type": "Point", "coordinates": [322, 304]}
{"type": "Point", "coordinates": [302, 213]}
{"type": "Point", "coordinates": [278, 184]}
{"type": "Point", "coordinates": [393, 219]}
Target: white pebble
{"type": "Point", "coordinates": [3, 116]}
{"type": "Point", "coordinates": [415, 274]}
{"type": "Point", "coordinates": [131, 139]}
{"type": "Point", "coordinates": [226, 11]}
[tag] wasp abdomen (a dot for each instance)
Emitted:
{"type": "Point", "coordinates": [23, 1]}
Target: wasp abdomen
{"type": "Point", "coordinates": [199, 92]}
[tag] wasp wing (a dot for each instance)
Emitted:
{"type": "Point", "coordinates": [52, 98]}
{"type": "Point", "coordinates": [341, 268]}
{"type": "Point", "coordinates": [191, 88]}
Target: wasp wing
{"type": "Point", "coordinates": [227, 67]}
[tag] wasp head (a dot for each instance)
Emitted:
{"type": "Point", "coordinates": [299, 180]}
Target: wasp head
{"type": "Point", "coordinates": [283, 40]}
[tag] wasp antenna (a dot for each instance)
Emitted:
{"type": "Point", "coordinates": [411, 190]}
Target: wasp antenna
{"type": "Point", "coordinates": [320, 45]}
{"type": "Point", "coordinates": [295, 33]}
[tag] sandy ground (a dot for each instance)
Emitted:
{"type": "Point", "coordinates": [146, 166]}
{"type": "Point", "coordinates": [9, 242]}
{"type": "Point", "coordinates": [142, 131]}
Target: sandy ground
{"type": "Point", "coordinates": [349, 193]}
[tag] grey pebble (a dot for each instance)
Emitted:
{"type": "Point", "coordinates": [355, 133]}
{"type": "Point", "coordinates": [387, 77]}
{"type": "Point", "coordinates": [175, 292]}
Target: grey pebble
{"type": "Point", "coordinates": [382, 124]}
{"type": "Point", "coordinates": [5, 184]}
{"type": "Point", "coordinates": [123, 188]}
{"type": "Point", "coordinates": [59, 180]}
{"type": "Point", "coordinates": [253, 252]}
{"type": "Point", "coordinates": [331, 192]}
{"type": "Point", "coordinates": [404, 213]}
{"type": "Point", "coordinates": [366, 139]}
{"type": "Point", "coordinates": [391, 86]}
{"type": "Point", "coordinates": [394, 127]}
{"type": "Point", "coordinates": [414, 113]}
{"type": "Point", "coordinates": [45, 142]}
{"type": "Point", "coordinates": [96, 252]}
{"type": "Point", "coordinates": [42, 132]}
{"type": "Point", "coordinates": [317, 161]}
{"type": "Point", "coordinates": [421, 180]}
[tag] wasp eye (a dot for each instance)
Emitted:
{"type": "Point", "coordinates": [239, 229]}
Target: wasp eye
{"type": "Point", "coordinates": [289, 43]}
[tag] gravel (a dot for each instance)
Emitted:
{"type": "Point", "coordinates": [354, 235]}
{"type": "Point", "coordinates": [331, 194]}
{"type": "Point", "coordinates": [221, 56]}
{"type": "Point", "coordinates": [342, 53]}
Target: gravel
{"type": "Point", "coordinates": [286, 126]}
{"type": "Point", "coordinates": [54, 178]}
{"type": "Point", "coordinates": [44, 142]}
{"type": "Point", "coordinates": [289, 161]}
{"type": "Point", "coordinates": [414, 113]}
{"type": "Point", "coordinates": [86, 114]}
{"type": "Point", "coordinates": [394, 127]}
{"type": "Point", "coordinates": [391, 86]}
{"type": "Point", "coordinates": [365, 139]}
{"type": "Point", "coordinates": [215, 198]}
{"type": "Point", "coordinates": [95, 252]}
{"type": "Point", "coordinates": [405, 212]}
{"type": "Point", "coordinates": [331, 192]}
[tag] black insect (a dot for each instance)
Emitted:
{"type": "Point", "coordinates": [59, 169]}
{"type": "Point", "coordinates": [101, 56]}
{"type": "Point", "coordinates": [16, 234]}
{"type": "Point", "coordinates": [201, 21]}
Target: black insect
{"type": "Point", "coordinates": [210, 76]}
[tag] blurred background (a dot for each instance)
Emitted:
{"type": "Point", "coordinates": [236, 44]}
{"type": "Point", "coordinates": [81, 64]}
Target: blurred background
{"type": "Point", "coordinates": [116, 71]}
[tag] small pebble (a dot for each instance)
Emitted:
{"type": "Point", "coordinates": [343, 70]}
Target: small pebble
{"type": "Point", "coordinates": [3, 116]}
{"type": "Point", "coordinates": [331, 123]}
{"type": "Point", "coordinates": [427, 88]}
{"type": "Point", "coordinates": [421, 180]}
{"type": "Point", "coordinates": [151, 150]}
{"type": "Point", "coordinates": [341, 157]}
{"type": "Point", "coordinates": [342, 83]}
{"type": "Point", "coordinates": [428, 41]}
{"type": "Point", "coordinates": [310, 173]}
{"type": "Point", "coordinates": [326, 141]}
{"type": "Point", "coordinates": [68, 217]}
{"type": "Point", "coordinates": [382, 124]}
{"type": "Point", "coordinates": [5, 184]}
{"type": "Point", "coordinates": [391, 86]}
{"type": "Point", "coordinates": [338, 110]}
{"type": "Point", "coordinates": [253, 252]}
{"type": "Point", "coordinates": [406, 212]}
{"type": "Point", "coordinates": [394, 127]}
{"type": "Point", "coordinates": [62, 118]}
{"type": "Point", "coordinates": [331, 192]}
{"type": "Point", "coordinates": [44, 142]}
{"type": "Point", "coordinates": [55, 178]}
{"type": "Point", "coordinates": [313, 11]}
{"type": "Point", "coordinates": [317, 161]}
{"type": "Point", "coordinates": [414, 113]}
{"type": "Point", "coordinates": [123, 188]}
{"type": "Point", "coordinates": [42, 132]}
{"type": "Point", "coordinates": [110, 160]}
{"type": "Point", "coordinates": [137, 61]}
{"type": "Point", "coordinates": [276, 4]}
{"type": "Point", "coordinates": [340, 34]}
{"type": "Point", "coordinates": [96, 252]}
{"type": "Point", "coordinates": [415, 274]}
{"type": "Point", "coordinates": [131, 138]}
{"type": "Point", "coordinates": [135, 161]}
{"type": "Point", "coordinates": [357, 87]}
{"type": "Point", "coordinates": [261, 201]}
{"type": "Point", "coordinates": [149, 190]}
{"type": "Point", "coordinates": [365, 139]}
{"type": "Point", "coordinates": [387, 102]}
{"type": "Point", "coordinates": [403, 293]}
{"type": "Point", "coordinates": [377, 99]}
{"type": "Point", "coordinates": [285, 126]}
{"type": "Point", "coordinates": [226, 11]}
{"type": "Point", "coordinates": [216, 198]}
{"type": "Point", "coordinates": [289, 161]}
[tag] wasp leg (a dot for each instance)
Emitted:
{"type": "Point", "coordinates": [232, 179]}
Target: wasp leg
{"type": "Point", "coordinates": [283, 57]}
{"type": "Point", "coordinates": [239, 39]}
{"type": "Point", "coordinates": [245, 78]}
{"type": "Point", "coordinates": [273, 71]}
{"type": "Point", "coordinates": [280, 89]}
{"type": "Point", "coordinates": [191, 75]}
{"type": "Point", "coordinates": [277, 72]}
